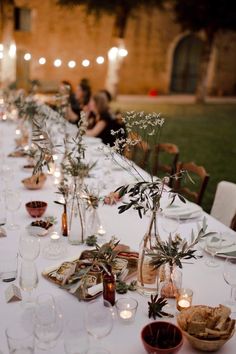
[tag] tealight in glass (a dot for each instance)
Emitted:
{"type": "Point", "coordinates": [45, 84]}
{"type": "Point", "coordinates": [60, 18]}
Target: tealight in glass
{"type": "Point", "coordinates": [126, 309]}
{"type": "Point", "coordinates": [184, 299]}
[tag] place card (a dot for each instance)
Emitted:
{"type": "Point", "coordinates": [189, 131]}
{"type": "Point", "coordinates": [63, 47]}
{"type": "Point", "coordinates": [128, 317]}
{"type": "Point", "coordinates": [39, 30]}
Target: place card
{"type": "Point", "coordinates": [13, 293]}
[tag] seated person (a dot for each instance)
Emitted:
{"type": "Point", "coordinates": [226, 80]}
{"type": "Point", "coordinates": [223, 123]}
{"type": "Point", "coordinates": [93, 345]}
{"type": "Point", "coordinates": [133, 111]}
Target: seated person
{"type": "Point", "coordinates": [103, 121]}
{"type": "Point", "coordinates": [78, 101]}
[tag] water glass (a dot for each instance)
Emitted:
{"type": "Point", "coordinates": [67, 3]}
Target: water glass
{"type": "Point", "coordinates": [19, 340]}
{"type": "Point", "coordinates": [13, 203]}
{"type": "Point", "coordinates": [76, 339]}
{"type": "Point", "coordinates": [48, 323]}
{"type": "Point", "coordinates": [28, 280]}
{"type": "Point", "coordinates": [213, 244]}
{"type": "Point", "coordinates": [29, 247]}
{"type": "Point", "coordinates": [99, 319]}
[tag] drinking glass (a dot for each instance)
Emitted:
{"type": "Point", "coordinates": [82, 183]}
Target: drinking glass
{"type": "Point", "coordinates": [99, 319]}
{"type": "Point", "coordinates": [229, 274]}
{"type": "Point", "coordinates": [213, 244]}
{"type": "Point", "coordinates": [8, 265]}
{"type": "Point", "coordinates": [48, 322]}
{"type": "Point", "coordinates": [13, 203]}
{"type": "Point", "coordinates": [19, 340]}
{"type": "Point", "coordinates": [28, 280]}
{"type": "Point", "coordinates": [29, 247]}
{"type": "Point", "coordinates": [76, 339]}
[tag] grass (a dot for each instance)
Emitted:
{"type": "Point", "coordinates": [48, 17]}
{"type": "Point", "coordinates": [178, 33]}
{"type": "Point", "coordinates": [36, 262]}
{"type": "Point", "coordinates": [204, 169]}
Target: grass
{"type": "Point", "coordinates": [204, 134]}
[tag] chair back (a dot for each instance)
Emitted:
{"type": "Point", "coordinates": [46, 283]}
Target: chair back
{"type": "Point", "coordinates": [194, 191]}
{"type": "Point", "coordinates": [224, 204]}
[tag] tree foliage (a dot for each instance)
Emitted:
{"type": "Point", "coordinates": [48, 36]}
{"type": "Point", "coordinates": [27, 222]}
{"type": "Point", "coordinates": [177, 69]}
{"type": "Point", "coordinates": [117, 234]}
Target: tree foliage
{"type": "Point", "coordinates": [210, 16]}
{"type": "Point", "coordinates": [122, 10]}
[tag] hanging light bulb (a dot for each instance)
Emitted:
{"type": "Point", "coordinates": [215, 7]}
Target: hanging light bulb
{"type": "Point", "coordinates": [27, 56]}
{"type": "Point", "coordinates": [112, 53]}
{"type": "Point", "coordinates": [57, 63]}
{"type": "Point", "coordinates": [72, 64]}
{"type": "Point", "coordinates": [85, 62]}
{"type": "Point", "coordinates": [42, 61]}
{"type": "Point", "coordinates": [123, 52]}
{"type": "Point", "coordinates": [100, 60]}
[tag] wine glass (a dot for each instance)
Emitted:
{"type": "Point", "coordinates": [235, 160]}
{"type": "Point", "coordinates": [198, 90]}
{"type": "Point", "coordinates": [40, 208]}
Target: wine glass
{"type": "Point", "coordinates": [213, 244]}
{"type": "Point", "coordinates": [76, 337]}
{"type": "Point", "coordinates": [28, 280]}
{"type": "Point", "coordinates": [99, 319]}
{"type": "Point", "coordinates": [229, 274]}
{"type": "Point", "coordinates": [48, 322]}
{"type": "Point", "coordinates": [13, 203]}
{"type": "Point", "coordinates": [29, 247]}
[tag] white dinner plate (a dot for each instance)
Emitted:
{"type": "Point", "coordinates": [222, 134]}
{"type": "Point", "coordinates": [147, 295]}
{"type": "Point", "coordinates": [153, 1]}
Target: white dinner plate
{"type": "Point", "coordinates": [228, 249]}
{"type": "Point", "coordinates": [183, 211]}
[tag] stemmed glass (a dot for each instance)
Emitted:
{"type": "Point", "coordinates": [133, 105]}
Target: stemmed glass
{"type": "Point", "coordinates": [229, 274]}
{"type": "Point", "coordinates": [28, 280]}
{"type": "Point", "coordinates": [13, 203]}
{"type": "Point", "coordinates": [29, 247]}
{"type": "Point", "coordinates": [99, 319]}
{"type": "Point", "coordinates": [48, 322]}
{"type": "Point", "coordinates": [213, 244]}
{"type": "Point", "coordinates": [76, 337]}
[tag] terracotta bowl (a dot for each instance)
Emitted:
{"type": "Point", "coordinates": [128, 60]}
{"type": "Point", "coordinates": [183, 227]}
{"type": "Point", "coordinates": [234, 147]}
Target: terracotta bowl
{"type": "Point", "coordinates": [36, 208]}
{"type": "Point", "coordinates": [165, 330]}
{"type": "Point", "coordinates": [35, 182]}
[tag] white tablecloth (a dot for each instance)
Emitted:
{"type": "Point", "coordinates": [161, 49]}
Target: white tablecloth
{"type": "Point", "coordinates": [207, 283]}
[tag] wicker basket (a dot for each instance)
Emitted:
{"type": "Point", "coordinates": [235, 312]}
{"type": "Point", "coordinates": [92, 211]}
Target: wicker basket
{"type": "Point", "coordinates": [206, 345]}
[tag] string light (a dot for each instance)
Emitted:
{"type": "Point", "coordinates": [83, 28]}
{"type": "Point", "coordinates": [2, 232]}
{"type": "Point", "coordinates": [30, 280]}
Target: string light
{"type": "Point", "coordinates": [57, 63]}
{"type": "Point", "coordinates": [100, 60]}
{"type": "Point", "coordinates": [42, 61]}
{"type": "Point", "coordinates": [123, 52]}
{"type": "Point", "coordinates": [85, 62]}
{"type": "Point", "coordinates": [72, 64]}
{"type": "Point", "coordinates": [27, 56]}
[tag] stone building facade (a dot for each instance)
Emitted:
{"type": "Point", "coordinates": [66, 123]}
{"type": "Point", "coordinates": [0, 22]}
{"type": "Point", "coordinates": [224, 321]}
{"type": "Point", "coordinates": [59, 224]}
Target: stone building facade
{"type": "Point", "coordinates": [160, 55]}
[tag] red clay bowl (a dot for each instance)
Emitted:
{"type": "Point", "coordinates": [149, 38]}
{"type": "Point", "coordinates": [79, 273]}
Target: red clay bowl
{"type": "Point", "coordinates": [36, 208]}
{"type": "Point", "coordinates": [170, 338]}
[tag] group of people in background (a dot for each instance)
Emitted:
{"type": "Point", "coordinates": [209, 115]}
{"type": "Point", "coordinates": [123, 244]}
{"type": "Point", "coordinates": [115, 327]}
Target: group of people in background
{"type": "Point", "coordinates": [101, 119]}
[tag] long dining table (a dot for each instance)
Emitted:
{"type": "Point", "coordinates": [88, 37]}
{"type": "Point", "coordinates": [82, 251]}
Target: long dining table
{"type": "Point", "coordinates": [207, 283]}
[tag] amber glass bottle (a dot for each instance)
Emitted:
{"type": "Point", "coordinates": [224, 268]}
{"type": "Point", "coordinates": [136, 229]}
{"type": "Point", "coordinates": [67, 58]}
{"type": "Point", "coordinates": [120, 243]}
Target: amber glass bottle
{"type": "Point", "coordinates": [64, 226]}
{"type": "Point", "coordinates": [109, 286]}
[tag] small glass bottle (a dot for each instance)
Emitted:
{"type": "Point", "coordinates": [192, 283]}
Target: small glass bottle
{"type": "Point", "coordinates": [64, 227]}
{"type": "Point", "coordinates": [109, 286]}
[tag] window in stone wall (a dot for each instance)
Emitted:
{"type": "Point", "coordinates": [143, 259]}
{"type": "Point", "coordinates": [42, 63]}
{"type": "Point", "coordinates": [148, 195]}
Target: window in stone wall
{"type": "Point", "coordinates": [22, 19]}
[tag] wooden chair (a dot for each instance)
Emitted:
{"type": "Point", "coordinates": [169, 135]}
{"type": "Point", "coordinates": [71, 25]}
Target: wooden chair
{"type": "Point", "coordinates": [165, 159]}
{"type": "Point", "coordinates": [194, 192]}
{"type": "Point", "coordinates": [140, 152]}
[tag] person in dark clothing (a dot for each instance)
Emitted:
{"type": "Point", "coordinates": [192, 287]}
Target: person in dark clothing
{"type": "Point", "coordinates": [103, 121]}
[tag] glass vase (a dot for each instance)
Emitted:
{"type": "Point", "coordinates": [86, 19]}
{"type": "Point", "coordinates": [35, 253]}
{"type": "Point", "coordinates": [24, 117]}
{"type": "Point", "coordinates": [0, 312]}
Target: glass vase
{"type": "Point", "coordinates": [148, 275]}
{"type": "Point", "coordinates": [92, 221]}
{"type": "Point", "coordinates": [76, 218]}
{"type": "Point", "coordinates": [170, 280]}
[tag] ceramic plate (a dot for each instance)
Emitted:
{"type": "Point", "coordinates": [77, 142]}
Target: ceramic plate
{"type": "Point", "coordinates": [228, 248]}
{"type": "Point", "coordinates": [183, 211]}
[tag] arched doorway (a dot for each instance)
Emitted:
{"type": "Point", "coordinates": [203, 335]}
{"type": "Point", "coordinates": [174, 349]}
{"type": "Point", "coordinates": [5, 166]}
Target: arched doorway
{"type": "Point", "coordinates": [186, 61]}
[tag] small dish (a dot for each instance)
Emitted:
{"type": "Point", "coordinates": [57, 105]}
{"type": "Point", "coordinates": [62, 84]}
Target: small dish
{"type": "Point", "coordinates": [39, 228]}
{"type": "Point", "coordinates": [36, 208]}
{"type": "Point", "coordinates": [161, 337]}
{"type": "Point", "coordinates": [35, 182]}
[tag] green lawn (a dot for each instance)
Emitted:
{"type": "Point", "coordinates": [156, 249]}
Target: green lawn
{"type": "Point", "coordinates": [205, 134]}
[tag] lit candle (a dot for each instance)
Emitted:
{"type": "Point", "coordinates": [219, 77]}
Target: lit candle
{"type": "Point", "coordinates": [57, 176]}
{"type": "Point", "coordinates": [18, 132]}
{"type": "Point", "coordinates": [184, 299]}
{"type": "Point", "coordinates": [54, 237]}
{"type": "Point", "coordinates": [101, 231]}
{"type": "Point", "coordinates": [125, 314]}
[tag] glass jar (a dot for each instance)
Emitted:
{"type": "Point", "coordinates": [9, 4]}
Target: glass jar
{"type": "Point", "coordinates": [148, 275]}
{"type": "Point", "coordinates": [171, 281]}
